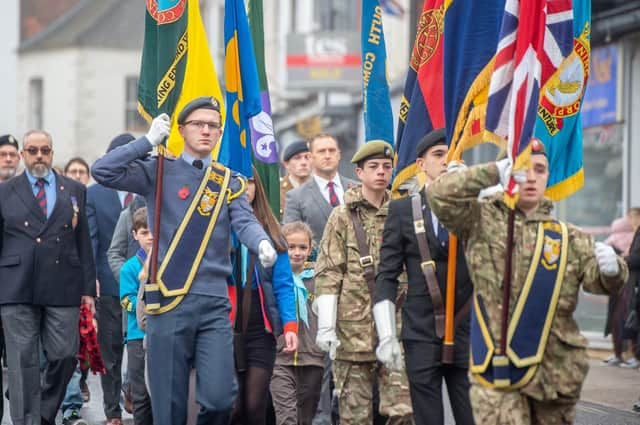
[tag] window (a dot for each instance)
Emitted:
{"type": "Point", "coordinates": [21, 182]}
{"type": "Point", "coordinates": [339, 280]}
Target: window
{"type": "Point", "coordinates": [35, 119]}
{"type": "Point", "coordinates": [133, 119]}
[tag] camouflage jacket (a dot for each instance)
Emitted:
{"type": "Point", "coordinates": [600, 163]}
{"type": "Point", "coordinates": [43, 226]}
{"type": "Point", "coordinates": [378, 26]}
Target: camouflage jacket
{"type": "Point", "coordinates": [338, 272]}
{"type": "Point", "coordinates": [482, 226]}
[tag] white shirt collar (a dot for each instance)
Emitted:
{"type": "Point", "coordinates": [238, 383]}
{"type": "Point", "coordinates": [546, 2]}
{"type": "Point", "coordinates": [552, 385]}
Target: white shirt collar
{"type": "Point", "coordinates": [322, 182]}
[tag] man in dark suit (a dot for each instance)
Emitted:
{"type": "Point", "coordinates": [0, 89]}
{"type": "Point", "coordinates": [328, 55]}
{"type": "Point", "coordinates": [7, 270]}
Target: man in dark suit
{"type": "Point", "coordinates": [47, 271]}
{"type": "Point", "coordinates": [313, 201]}
{"type": "Point", "coordinates": [9, 161]}
{"type": "Point", "coordinates": [103, 209]}
{"type": "Point", "coordinates": [421, 340]}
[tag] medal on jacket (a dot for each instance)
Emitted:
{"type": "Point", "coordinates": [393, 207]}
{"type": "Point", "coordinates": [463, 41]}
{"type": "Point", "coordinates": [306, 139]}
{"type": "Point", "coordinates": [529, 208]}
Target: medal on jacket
{"type": "Point", "coordinates": [76, 210]}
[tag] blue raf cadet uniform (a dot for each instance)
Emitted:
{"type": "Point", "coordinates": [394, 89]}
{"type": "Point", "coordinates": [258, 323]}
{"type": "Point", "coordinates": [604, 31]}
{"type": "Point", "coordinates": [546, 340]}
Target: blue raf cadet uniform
{"type": "Point", "coordinates": [189, 325]}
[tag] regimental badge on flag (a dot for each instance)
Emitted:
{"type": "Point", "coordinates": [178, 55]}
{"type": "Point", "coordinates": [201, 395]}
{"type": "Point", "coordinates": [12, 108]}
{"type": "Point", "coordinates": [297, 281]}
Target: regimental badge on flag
{"type": "Point", "coordinates": [535, 37]}
{"type": "Point", "coordinates": [558, 123]}
{"type": "Point", "coordinates": [422, 104]}
{"type": "Point", "coordinates": [243, 89]}
{"type": "Point", "coordinates": [378, 118]}
{"type": "Point", "coordinates": [176, 62]}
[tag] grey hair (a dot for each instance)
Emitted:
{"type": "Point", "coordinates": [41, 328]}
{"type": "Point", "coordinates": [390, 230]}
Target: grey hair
{"type": "Point", "coordinates": [30, 132]}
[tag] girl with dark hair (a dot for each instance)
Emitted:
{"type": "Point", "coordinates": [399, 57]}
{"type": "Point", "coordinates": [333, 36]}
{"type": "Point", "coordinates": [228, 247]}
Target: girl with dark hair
{"type": "Point", "coordinates": [263, 307]}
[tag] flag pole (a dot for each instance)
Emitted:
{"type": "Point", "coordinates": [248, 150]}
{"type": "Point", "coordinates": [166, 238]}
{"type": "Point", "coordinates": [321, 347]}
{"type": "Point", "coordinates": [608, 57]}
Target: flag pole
{"type": "Point", "coordinates": [448, 348]}
{"type": "Point", "coordinates": [156, 216]}
{"type": "Point", "coordinates": [506, 283]}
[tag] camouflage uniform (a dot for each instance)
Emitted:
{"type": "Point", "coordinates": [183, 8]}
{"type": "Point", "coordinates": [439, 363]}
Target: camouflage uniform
{"type": "Point", "coordinates": [338, 272]}
{"type": "Point", "coordinates": [550, 395]}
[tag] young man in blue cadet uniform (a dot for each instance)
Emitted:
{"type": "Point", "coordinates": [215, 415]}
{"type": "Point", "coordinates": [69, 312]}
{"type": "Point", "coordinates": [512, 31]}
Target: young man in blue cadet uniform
{"type": "Point", "coordinates": [187, 308]}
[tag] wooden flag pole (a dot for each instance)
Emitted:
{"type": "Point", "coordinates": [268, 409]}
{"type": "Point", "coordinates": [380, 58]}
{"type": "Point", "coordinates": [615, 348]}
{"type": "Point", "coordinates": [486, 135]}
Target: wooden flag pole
{"type": "Point", "coordinates": [448, 348]}
{"type": "Point", "coordinates": [153, 274]}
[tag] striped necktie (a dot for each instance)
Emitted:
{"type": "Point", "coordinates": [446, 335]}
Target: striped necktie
{"type": "Point", "coordinates": [128, 199]}
{"type": "Point", "coordinates": [333, 196]}
{"type": "Point", "coordinates": [41, 196]}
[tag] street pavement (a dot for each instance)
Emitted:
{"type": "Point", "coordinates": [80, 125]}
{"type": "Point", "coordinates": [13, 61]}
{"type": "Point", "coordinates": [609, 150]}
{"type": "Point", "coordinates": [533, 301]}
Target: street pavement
{"type": "Point", "coordinates": [607, 397]}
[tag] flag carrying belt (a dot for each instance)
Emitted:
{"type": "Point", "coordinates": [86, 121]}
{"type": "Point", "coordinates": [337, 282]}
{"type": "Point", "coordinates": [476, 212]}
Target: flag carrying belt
{"type": "Point", "coordinates": [531, 320]}
{"type": "Point", "coordinates": [182, 261]}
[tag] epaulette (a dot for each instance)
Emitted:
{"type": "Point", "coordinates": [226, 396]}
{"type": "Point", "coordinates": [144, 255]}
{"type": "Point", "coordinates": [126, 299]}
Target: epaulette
{"type": "Point", "coordinates": [231, 195]}
{"type": "Point", "coordinates": [218, 165]}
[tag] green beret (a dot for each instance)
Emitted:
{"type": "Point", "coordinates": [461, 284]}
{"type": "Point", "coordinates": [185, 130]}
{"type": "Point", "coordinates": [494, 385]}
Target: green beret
{"type": "Point", "coordinates": [204, 102]}
{"type": "Point", "coordinates": [374, 149]}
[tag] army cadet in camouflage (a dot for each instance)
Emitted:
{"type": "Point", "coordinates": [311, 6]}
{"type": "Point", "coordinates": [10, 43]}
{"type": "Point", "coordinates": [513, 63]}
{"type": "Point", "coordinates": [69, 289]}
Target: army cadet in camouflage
{"type": "Point", "coordinates": [345, 277]}
{"type": "Point", "coordinates": [539, 378]}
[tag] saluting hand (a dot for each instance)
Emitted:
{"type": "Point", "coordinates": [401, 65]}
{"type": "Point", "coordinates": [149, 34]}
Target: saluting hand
{"type": "Point", "coordinates": [159, 130]}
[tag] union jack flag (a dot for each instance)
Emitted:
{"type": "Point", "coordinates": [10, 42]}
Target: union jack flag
{"type": "Point", "coordinates": [535, 37]}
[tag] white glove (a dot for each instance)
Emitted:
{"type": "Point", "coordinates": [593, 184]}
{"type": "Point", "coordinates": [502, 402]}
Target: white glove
{"type": "Point", "coordinates": [267, 254]}
{"type": "Point", "coordinates": [505, 167]}
{"type": "Point", "coordinates": [159, 130]}
{"type": "Point", "coordinates": [388, 351]}
{"type": "Point", "coordinates": [456, 166]}
{"type": "Point", "coordinates": [326, 307]}
{"type": "Point", "coordinates": [607, 259]}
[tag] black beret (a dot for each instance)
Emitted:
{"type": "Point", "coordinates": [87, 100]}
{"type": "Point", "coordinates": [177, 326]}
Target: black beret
{"type": "Point", "coordinates": [120, 140]}
{"type": "Point", "coordinates": [8, 139]}
{"type": "Point", "coordinates": [375, 149]}
{"type": "Point", "coordinates": [436, 137]}
{"type": "Point", "coordinates": [204, 102]}
{"type": "Point", "coordinates": [294, 149]}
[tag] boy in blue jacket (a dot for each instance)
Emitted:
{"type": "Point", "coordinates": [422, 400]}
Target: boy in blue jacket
{"type": "Point", "coordinates": [129, 285]}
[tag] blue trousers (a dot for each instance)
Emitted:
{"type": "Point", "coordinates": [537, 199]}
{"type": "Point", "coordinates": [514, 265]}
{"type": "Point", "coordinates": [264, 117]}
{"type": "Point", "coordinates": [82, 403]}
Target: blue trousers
{"type": "Point", "coordinates": [73, 396]}
{"type": "Point", "coordinates": [196, 333]}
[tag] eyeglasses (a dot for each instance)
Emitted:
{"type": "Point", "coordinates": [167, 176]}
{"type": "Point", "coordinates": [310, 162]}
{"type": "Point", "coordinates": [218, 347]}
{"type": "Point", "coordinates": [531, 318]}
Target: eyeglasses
{"type": "Point", "coordinates": [33, 151]}
{"type": "Point", "coordinates": [10, 155]}
{"type": "Point", "coordinates": [201, 124]}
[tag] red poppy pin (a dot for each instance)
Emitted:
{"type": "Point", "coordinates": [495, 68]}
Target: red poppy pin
{"type": "Point", "coordinates": [183, 193]}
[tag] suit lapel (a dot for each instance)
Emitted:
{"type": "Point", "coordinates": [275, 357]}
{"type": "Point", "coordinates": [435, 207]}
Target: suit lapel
{"type": "Point", "coordinates": [25, 193]}
{"type": "Point", "coordinates": [432, 234]}
{"type": "Point", "coordinates": [319, 199]}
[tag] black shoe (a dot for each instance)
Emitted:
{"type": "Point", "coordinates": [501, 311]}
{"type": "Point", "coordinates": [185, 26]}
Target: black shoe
{"type": "Point", "coordinates": [636, 406]}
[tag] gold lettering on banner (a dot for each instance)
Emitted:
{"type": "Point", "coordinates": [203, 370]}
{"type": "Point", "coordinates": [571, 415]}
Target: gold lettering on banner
{"type": "Point", "coordinates": [404, 109]}
{"type": "Point", "coordinates": [375, 31]}
{"type": "Point", "coordinates": [168, 81]}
